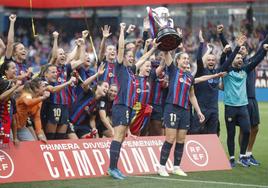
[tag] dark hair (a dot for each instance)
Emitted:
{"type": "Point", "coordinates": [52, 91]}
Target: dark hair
{"type": "Point", "coordinates": [45, 69]}
{"type": "Point", "coordinates": [36, 83]}
{"type": "Point", "coordinates": [32, 85]}
{"type": "Point", "coordinates": [99, 83]}
{"type": "Point", "coordinates": [4, 67]}
{"type": "Point", "coordinates": [27, 87]}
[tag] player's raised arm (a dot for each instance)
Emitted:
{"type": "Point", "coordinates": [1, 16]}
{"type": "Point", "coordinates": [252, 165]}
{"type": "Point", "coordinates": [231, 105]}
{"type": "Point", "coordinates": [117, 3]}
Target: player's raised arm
{"type": "Point", "coordinates": [168, 58]}
{"type": "Point", "coordinates": [208, 77]}
{"type": "Point", "coordinates": [200, 64]}
{"type": "Point", "coordinates": [147, 54]}
{"type": "Point", "coordinates": [223, 40]}
{"type": "Point", "coordinates": [147, 44]}
{"type": "Point", "coordinates": [121, 43]}
{"type": "Point", "coordinates": [240, 41]}
{"type": "Point", "coordinates": [2, 48]}
{"type": "Point", "coordinates": [257, 61]}
{"type": "Point", "coordinates": [10, 36]}
{"type": "Point", "coordinates": [105, 34]}
{"type": "Point", "coordinates": [81, 53]}
{"type": "Point", "coordinates": [94, 77]}
{"type": "Point", "coordinates": [54, 89]}
{"type": "Point", "coordinates": [54, 48]}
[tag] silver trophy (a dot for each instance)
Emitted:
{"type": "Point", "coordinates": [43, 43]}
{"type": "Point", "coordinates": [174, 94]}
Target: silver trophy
{"type": "Point", "coordinates": [162, 27]}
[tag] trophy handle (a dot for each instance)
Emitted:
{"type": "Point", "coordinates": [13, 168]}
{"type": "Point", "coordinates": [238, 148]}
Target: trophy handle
{"type": "Point", "coordinates": [156, 18]}
{"type": "Point", "coordinates": [171, 22]}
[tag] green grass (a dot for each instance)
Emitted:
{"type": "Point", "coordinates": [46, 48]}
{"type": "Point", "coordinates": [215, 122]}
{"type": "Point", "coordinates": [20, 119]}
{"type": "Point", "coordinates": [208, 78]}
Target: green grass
{"type": "Point", "coordinates": [238, 177]}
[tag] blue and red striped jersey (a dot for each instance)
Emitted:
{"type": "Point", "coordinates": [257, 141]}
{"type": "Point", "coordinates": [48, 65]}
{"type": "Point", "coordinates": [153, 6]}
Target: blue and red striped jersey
{"type": "Point", "coordinates": [72, 95]}
{"type": "Point", "coordinates": [143, 88]}
{"type": "Point", "coordinates": [84, 74]}
{"type": "Point", "coordinates": [21, 68]}
{"type": "Point", "coordinates": [63, 74]}
{"type": "Point", "coordinates": [85, 105]}
{"type": "Point", "coordinates": [126, 84]}
{"type": "Point", "coordinates": [109, 73]}
{"type": "Point", "coordinates": [156, 93]}
{"type": "Point", "coordinates": [180, 83]}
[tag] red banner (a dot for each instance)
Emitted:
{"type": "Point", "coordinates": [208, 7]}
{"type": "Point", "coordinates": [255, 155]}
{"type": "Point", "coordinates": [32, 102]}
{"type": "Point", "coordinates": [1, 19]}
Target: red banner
{"type": "Point", "coordinates": [44, 4]}
{"type": "Point", "coordinates": [69, 159]}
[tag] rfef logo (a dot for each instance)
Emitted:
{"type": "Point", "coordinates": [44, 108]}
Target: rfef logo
{"type": "Point", "coordinates": [6, 165]}
{"type": "Point", "coordinates": [197, 153]}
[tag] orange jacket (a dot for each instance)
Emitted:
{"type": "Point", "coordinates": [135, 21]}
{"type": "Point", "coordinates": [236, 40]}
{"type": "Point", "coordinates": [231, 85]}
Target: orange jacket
{"type": "Point", "coordinates": [27, 106]}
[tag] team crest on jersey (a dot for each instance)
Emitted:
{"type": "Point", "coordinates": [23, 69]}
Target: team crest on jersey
{"type": "Point", "coordinates": [181, 80]}
{"type": "Point", "coordinates": [111, 74]}
{"type": "Point", "coordinates": [102, 104]}
{"type": "Point", "coordinates": [210, 81]}
{"type": "Point", "coordinates": [148, 84]}
{"type": "Point", "coordinates": [230, 119]}
{"type": "Point", "coordinates": [86, 108]}
{"type": "Point", "coordinates": [22, 72]}
{"type": "Point", "coordinates": [242, 73]}
{"type": "Point", "coordinates": [138, 90]}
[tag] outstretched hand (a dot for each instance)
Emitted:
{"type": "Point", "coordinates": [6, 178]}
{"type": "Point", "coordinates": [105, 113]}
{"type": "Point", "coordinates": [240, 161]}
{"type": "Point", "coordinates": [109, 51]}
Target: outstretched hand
{"type": "Point", "coordinates": [241, 40]}
{"type": "Point", "coordinates": [265, 47]}
{"type": "Point", "coordinates": [123, 26]}
{"type": "Point", "coordinates": [106, 31]}
{"type": "Point", "coordinates": [221, 74]}
{"type": "Point", "coordinates": [155, 44]}
{"type": "Point", "coordinates": [55, 34]}
{"type": "Point", "coordinates": [201, 117]}
{"type": "Point", "coordinates": [131, 28]}
{"type": "Point", "coordinates": [201, 38]}
{"type": "Point", "coordinates": [101, 69]}
{"type": "Point", "coordinates": [220, 28]}
{"type": "Point", "coordinates": [85, 34]}
{"type": "Point", "coordinates": [12, 18]}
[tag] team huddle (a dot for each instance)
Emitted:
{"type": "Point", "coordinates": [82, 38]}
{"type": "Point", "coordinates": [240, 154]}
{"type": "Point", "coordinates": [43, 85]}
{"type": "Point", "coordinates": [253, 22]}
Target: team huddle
{"type": "Point", "coordinates": [130, 90]}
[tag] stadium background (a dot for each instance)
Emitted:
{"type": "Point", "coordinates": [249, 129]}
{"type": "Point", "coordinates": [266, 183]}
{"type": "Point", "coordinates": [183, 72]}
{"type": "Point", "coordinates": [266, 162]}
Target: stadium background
{"type": "Point", "coordinates": [67, 16]}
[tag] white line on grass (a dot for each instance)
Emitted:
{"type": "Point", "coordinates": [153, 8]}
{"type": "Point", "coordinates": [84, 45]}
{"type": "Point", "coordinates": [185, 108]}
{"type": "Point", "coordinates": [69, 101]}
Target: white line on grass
{"type": "Point", "coordinates": [207, 182]}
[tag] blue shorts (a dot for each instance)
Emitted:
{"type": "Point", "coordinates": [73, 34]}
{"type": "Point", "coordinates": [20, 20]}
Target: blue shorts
{"type": "Point", "coordinates": [253, 111]}
{"type": "Point", "coordinates": [176, 117]}
{"type": "Point", "coordinates": [81, 130]}
{"type": "Point", "coordinates": [121, 115]}
{"type": "Point", "coordinates": [210, 126]}
{"type": "Point", "coordinates": [57, 113]}
{"type": "Point", "coordinates": [157, 113]}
